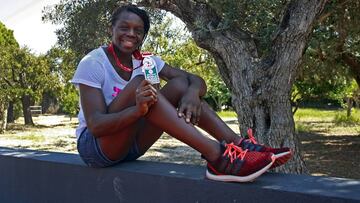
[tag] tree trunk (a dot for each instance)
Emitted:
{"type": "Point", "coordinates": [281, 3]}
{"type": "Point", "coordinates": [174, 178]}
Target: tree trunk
{"type": "Point", "coordinates": [349, 105]}
{"type": "Point", "coordinates": [26, 103]}
{"type": "Point", "coordinates": [260, 85]}
{"type": "Point", "coordinates": [354, 64]}
{"type": "Point", "coordinates": [3, 115]}
{"type": "Point", "coordinates": [10, 112]}
{"type": "Point", "coordinates": [49, 103]}
{"type": "Point", "coordinates": [261, 97]}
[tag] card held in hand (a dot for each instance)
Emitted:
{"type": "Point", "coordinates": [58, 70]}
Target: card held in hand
{"type": "Point", "coordinates": [149, 69]}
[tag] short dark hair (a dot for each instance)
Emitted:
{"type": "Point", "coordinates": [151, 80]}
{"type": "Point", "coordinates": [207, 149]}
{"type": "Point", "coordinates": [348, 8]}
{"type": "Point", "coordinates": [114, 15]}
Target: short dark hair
{"type": "Point", "coordinates": [133, 9]}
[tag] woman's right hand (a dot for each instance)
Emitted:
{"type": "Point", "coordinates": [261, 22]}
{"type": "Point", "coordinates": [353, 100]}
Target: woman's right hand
{"type": "Point", "coordinates": [146, 96]}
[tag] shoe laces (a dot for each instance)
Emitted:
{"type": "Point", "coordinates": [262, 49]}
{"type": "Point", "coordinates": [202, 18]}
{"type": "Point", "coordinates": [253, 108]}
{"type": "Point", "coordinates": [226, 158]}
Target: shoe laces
{"type": "Point", "coordinates": [234, 152]}
{"type": "Point", "coordinates": [251, 136]}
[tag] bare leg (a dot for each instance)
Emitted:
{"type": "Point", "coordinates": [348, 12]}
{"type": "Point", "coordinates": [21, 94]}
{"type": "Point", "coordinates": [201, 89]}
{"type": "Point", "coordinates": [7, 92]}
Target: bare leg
{"type": "Point", "coordinates": [215, 126]}
{"type": "Point", "coordinates": [148, 134]}
{"type": "Point", "coordinates": [209, 120]}
{"type": "Point", "coordinates": [163, 117]}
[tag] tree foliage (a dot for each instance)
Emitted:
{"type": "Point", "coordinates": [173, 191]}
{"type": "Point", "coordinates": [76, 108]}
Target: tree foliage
{"type": "Point", "coordinates": [332, 60]}
{"type": "Point", "coordinates": [84, 24]}
{"type": "Point", "coordinates": [171, 42]}
{"type": "Point", "coordinates": [8, 46]}
{"type": "Point", "coordinates": [175, 46]}
{"type": "Point", "coordinates": [24, 76]}
{"type": "Point", "coordinates": [63, 63]}
{"type": "Point", "coordinates": [71, 14]}
{"type": "Point", "coordinates": [258, 18]}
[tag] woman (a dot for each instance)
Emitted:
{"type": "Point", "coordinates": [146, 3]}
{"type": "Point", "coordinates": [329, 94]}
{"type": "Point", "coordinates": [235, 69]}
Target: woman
{"type": "Point", "coordinates": [122, 114]}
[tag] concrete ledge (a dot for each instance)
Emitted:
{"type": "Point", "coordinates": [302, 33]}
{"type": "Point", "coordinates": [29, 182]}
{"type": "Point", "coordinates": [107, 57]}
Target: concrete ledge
{"type": "Point", "coordinates": [35, 176]}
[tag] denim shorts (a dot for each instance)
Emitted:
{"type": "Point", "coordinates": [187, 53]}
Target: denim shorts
{"type": "Point", "coordinates": [90, 151]}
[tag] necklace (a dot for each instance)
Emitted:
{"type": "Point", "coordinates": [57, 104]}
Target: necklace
{"type": "Point", "coordinates": [117, 60]}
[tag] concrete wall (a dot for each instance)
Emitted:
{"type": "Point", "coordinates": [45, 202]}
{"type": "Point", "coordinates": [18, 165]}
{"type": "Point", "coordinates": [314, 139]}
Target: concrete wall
{"type": "Point", "coordinates": [28, 176]}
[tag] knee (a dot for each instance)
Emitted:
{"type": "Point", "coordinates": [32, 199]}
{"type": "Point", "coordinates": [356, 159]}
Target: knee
{"type": "Point", "coordinates": [178, 85]}
{"type": "Point", "coordinates": [175, 89]}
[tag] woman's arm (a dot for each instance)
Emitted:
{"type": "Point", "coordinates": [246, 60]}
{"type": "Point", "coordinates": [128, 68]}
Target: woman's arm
{"type": "Point", "coordinates": [100, 122]}
{"type": "Point", "coordinates": [190, 104]}
{"type": "Point", "coordinates": [196, 83]}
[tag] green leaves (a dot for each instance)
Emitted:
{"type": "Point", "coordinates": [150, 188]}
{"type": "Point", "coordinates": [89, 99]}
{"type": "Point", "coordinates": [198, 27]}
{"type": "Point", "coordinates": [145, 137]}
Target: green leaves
{"type": "Point", "coordinates": [324, 72]}
{"type": "Point", "coordinates": [84, 23]}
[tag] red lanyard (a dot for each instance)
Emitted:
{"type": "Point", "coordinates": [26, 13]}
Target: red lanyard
{"type": "Point", "coordinates": [117, 60]}
{"type": "Point", "coordinates": [137, 55]}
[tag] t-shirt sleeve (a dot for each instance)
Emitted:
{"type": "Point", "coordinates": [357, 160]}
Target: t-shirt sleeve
{"type": "Point", "coordinates": [89, 72]}
{"type": "Point", "coordinates": [159, 63]}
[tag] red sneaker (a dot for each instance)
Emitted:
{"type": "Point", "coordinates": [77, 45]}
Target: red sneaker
{"type": "Point", "coordinates": [282, 154]}
{"type": "Point", "coordinates": [238, 165]}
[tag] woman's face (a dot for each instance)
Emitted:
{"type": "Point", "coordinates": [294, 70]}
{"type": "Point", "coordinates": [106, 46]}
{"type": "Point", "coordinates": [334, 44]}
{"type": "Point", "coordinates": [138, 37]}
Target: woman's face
{"type": "Point", "coordinates": [128, 32]}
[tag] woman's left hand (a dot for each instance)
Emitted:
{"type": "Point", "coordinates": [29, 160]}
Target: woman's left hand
{"type": "Point", "coordinates": [190, 107]}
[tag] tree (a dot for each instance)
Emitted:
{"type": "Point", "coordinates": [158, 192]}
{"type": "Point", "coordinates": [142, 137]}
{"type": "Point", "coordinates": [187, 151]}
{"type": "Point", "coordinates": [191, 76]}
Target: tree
{"type": "Point", "coordinates": [31, 77]}
{"type": "Point", "coordinates": [188, 56]}
{"type": "Point", "coordinates": [71, 14]}
{"type": "Point", "coordinates": [8, 46]}
{"type": "Point", "coordinates": [338, 35]}
{"type": "Point", "coordinates": [63, 63]}
{"type": "Point", "coordinates": [257, 46]}
{"type": "Point", "coordinates": [331, 63]}
{"type": "Point", "coordinates": [28, 76]}
{"type": "Point", "coordinates": [176, 47]}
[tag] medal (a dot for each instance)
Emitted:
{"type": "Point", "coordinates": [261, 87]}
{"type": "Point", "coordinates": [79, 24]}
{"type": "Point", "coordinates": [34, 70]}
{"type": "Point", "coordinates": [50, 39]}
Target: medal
{"type": "Point", "coordinates": [150, 71]}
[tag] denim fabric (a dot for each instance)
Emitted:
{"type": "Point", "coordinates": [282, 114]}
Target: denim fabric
{"type": "Point", "coordinates": [90, 151]}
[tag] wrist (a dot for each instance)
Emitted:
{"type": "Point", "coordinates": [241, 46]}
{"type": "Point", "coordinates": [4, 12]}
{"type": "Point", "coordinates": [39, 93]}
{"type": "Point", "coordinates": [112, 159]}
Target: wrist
{"type": "Point", "coordinates": [137, 112]}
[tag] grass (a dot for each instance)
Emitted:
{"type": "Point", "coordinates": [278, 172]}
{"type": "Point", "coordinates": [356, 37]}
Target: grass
{"type": "Point", "coordinates": [343, 119]}
{"type": "Point", "coordinates": [306, 113]}
{"type": "Point", "coordinates": [226, 114]}
{"type": "Point", "coordinates": [32, 137]}
{"type": "Point", "coordinates": [301, 128]}
{"type": "Point", "coordinates": [319, 120]}
{"type": "Point", "coordinates": [326, 121]}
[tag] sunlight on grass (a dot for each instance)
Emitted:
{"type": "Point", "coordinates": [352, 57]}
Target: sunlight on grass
{"type": "Point", "coordinates": [32, 137]}
{"type": "Point", "coordinates": [344, 120]}
{"type": "Point", "coordinates": [327, 121]}
{"type": "Point", "coordinates": [321, 114]}
{"type": "Point", "coordinates": [320, 120]}
{"type": "Point", "coordinates": [226, 114]}
{"type": "Point", "coordinates": [315, 113]}
{"type": "Point", "coordinates": [302, 128]}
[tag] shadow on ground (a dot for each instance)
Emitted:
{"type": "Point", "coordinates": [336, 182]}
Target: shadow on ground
{"type": "Point", "coordinates": [331, 155]}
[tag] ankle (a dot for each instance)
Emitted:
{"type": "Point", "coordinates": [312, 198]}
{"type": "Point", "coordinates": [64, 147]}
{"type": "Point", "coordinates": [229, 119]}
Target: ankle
{"type": "Point", "coordinates": [238, 140]}
{"type": "Point", "coordinates": [213, 154]}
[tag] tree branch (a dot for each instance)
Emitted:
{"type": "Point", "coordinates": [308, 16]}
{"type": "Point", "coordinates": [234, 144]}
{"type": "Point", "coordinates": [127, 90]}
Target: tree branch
{"type": "Point", "coordinates": [354, 63]}
{"type": "Point", "coordinates": [289, 42]}
{"type": "Point", "coordinates": [8, 82]}
{"type": "Point", "coordinates": [324, 16]}
{"type": "Point", "coordinates": [191, 12]}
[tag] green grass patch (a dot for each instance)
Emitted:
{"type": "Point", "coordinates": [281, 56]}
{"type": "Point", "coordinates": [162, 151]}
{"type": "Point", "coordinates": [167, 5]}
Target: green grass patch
{"type": "Point", "coordinates": [334, 115]}
{"type": "Point", "coordinates": [32, 137]}
{"type": "Point", "coordinates": [226, 114]}
{"type": "Point", "coordinates": [327, 121]}
{"type": "Point", "coordinates": [315, 113]}
{"type": "Point", "coordinates": [344, 120]}
{"type": "Point", "coordinates": [309, 120]}
{"type": "Point", "coordinates": [302, 128]}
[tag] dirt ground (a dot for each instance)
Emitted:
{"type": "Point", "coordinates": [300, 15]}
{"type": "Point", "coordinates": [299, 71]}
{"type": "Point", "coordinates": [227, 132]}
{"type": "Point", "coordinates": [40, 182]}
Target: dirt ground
{"type": "Point", "coordinates": [325, 154]}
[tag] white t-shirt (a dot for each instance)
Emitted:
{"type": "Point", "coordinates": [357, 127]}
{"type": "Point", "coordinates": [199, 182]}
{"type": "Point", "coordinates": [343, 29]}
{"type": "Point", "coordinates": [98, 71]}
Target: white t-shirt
{"type": "Point", "coordinates": [95, 70]}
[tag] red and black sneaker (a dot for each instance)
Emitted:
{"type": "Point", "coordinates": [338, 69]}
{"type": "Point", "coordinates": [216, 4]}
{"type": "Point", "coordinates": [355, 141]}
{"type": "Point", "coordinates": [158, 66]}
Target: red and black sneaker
{"type": "Point", "coordinates": [238, 165]}
{"type": "Point", "coordinates": [282, 154]}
